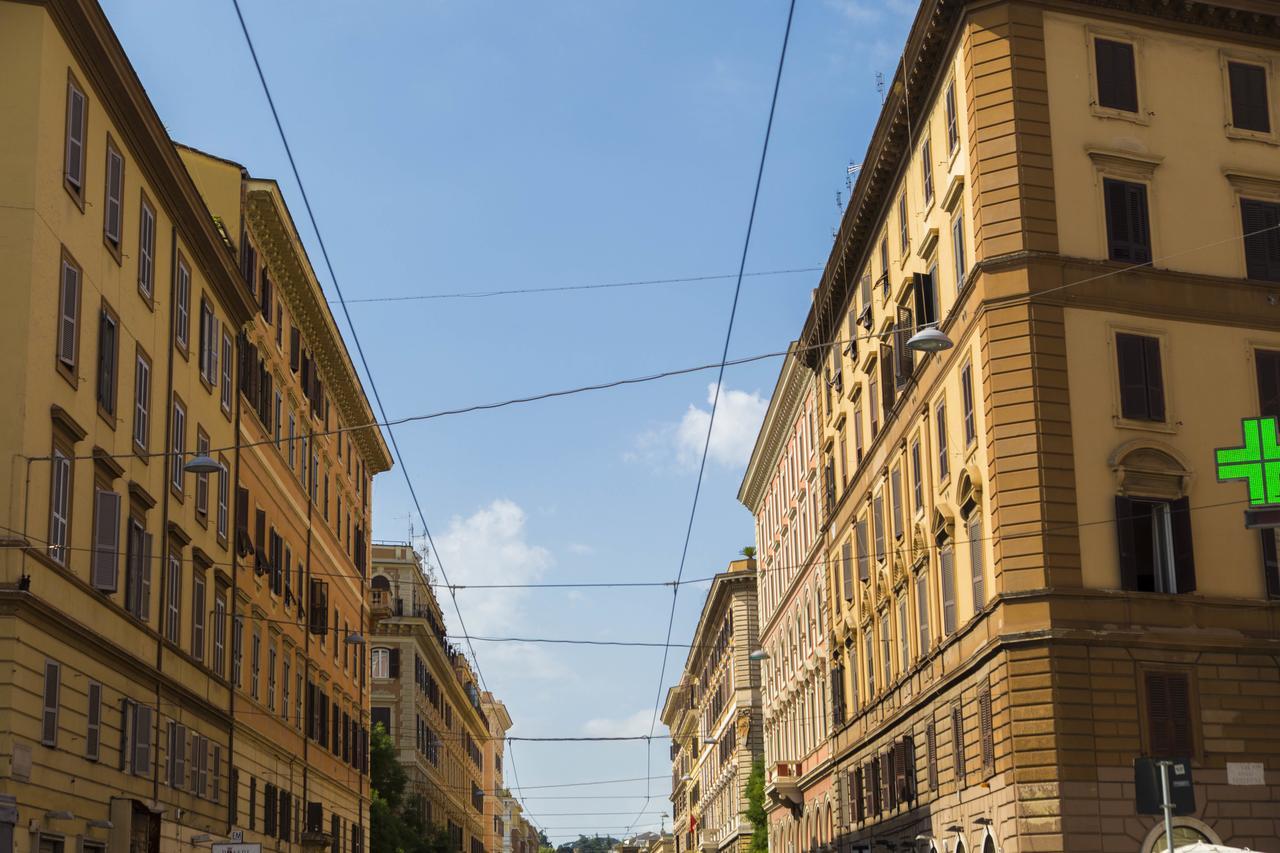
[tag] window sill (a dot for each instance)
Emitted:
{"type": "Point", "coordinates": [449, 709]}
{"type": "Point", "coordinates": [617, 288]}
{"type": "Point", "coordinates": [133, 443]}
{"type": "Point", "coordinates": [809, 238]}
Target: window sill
{"type": "Point", "coordinates": [1139, 117]}
{"type": "Point", "coordinates": [1242, 135]}
{"type": "Point", "coordinates": [1166, 427]}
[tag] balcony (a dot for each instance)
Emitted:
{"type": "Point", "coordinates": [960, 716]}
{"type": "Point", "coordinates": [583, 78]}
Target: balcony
{"type": "Point", "coordinates": [783, 781]}
{"type": "Point", "coordinates": [380, 602]}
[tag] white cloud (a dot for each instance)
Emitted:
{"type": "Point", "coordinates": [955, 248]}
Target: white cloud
{"type": "Point", "coordinates": [738, 418]}
{"type": "Point", "coordinates": [490, 546]}
{"type": "Point", "coordinates": [630, 726]}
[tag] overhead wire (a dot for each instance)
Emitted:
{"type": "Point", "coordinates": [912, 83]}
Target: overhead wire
{"type": "Point", "coordinates": [715, 397]}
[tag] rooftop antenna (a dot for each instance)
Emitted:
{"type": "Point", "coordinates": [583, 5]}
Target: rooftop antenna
{"type": "Point", "coordinates": [880, 86]}
{"type": "Point", "coordinates": [839, 200]}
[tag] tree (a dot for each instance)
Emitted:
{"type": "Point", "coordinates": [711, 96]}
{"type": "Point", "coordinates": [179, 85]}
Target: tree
{"type": "Point", "coordinates": [397, 824]}
{"type": "Point", "coordinates": [749, 552]}
{"type": "Point", "coordinates": [755, 808]}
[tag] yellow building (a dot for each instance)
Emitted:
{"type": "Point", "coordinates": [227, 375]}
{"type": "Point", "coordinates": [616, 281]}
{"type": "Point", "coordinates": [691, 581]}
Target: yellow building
{"type": "Point", "coordinates": [302, 509]}
{"type": "Point", "coordinates": [1035, 576]}
{"type": "Point", "coordinates": [424, 693]}
{"type": "Point", "coordinates": [713, 715]}
{"type": "Point", "coordinates": [151, 665]}
{"type": "Point", "coordinates": [499, 720]}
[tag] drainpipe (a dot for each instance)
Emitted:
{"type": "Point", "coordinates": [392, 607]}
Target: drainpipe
{"type": "Point", "coordinates": [306, 641]}
{"type": "Point", "coordinates": [164, 505]}
{"type": "Point", "coordinates": [233, 535]}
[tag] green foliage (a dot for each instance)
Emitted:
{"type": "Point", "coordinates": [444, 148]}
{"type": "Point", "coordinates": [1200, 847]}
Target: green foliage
{"type": "Point", "coordinates": [755, 808]}
{"type": "Point", "coordinates": [749, 552]}
{"type": "Point", "coordinates": [594, 844]}
{"type": "Point", "coordinates": [397, 822]}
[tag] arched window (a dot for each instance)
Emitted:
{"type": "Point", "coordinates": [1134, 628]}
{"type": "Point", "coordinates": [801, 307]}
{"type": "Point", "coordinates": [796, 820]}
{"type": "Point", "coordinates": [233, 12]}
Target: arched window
{"type": "Point", "coordinates": [380, 582]}
{"type": "Point", "coordinates": [971, 514]}
{"type": "Point", "coordinates": [1153, 520]}
{"type": "Point", "coordinates": [381, 663]}
{"type": "Point", "coordinates": [946, 572]}
{"type": "Point", "coordinates": [989, 846]}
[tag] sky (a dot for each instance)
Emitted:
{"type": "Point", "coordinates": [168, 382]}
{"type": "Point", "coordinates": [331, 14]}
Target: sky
{"type": "Point", "coordinates": [467, 145]}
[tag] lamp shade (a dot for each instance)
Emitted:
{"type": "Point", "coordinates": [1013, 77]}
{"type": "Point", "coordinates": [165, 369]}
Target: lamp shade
{"type": "Point", "coordinates": [202, 464]}
{"type": "Point", "coordinates": [929, 340]}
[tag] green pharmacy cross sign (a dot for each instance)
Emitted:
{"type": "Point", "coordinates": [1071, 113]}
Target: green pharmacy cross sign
{"type": "Point", "coordinates": [1258, 461]}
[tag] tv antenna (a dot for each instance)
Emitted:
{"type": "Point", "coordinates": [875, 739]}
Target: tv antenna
{"type": "Point", "coordinates": [880, 86]}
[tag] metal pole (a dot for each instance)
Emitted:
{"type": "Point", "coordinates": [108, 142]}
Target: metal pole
{"type": "Point", "coordinates": [1166, 805]}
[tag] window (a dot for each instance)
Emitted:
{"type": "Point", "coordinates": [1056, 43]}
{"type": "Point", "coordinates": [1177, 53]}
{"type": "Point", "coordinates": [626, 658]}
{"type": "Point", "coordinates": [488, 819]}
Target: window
{"type": "Point", "coordinates": [182, 306]}
{"type": "Point", "coordinates": [917, 476]}
{"type": "Point", "coordinates": [926, 171]}
{"type": "Point", "coordinates": [381, 663]}
{"type": "Point", "coordinates": [255, 665]}
{"type": "Point", "coordinates": [904, 232]}
{"type": "Point", "coordinates": [922, 608]}
{"type": "Point", "coordinates": [173, 606]}
{"type": "Point", "coordinates": [986, 733]}
{"type": "Point", "coordinates": [957, 250]}
{"type": "Point", "coordinates": [953, 127]}
{"type": "Point", "coordinates": [202, 480]}
{"type": "Point", "coordinates": [944, 468]}
{"type": "Point", "coordinates": [868, 646]}
{"type": "Point", "coordinates": [857, 432]}
{"type": "Point", "coordinates": [1250, 105]}
{"type": "Point", "coordinates": [957, 742]}
{"type": "Point", "coordinates": [1156, 553]}
{"type": "Point", "coordinates": [104, 564]}
{"type": "Point", "coordinates": [947, 581]}
{"type": "Point", "coordinates": [886, 649]}
{"type": "Point", "coordinates": [973, 531]}
{"type": "Point", "coordinates": [226, 372]}
{"type": "Point", "coordinates": [113, 207]}
{"type": "Point", "coordinates": [49, 717]}
{"type": "Point", "coordinates": [108, 356]}
{"type": "Point", "coordinates": [895, 493]}
{"type": "Point", "coordinates": [93, 724]}
{"type": "Point", "coordinates": [1170, 733]}
{"type": "Point", "coordinates": [1128, 223]}
{"type": "Point", "coordinates": [276, 426]}
{"type": "Point", "coordinates": [176, 766]}
{"type": "Point", "coordinates": [864, 553]}
{"type": "Point", "coordinates": [74, 150]}
{"type": "Point", "coordinates": [284, 685]}
{"type": "Point", "coordinates": [271, 676]}
{"type": "Point", "coordinates": [197, 615]}
{"type": "Point", "coordinates": [223, 494]}
{"type": "Point", "coordinates": [178, 446]}
{"type": "Point", "coordinates": [142, 401]}
{"type": "Point", "coordinates": [1141, 379]}
{"type": "Point", "coordinates": [1261, 226]}
{"type": "Point", "coordinates": [966, 399]}
{"type": "Point", "coordinates": [69, 317]}
{"type": "Point", "coordinates": [137, 579]}
{"type": "Point", "coordinates": [146, 249]}
{"type": "Point", "coordinates": [1117, 75]}
{"type": "Point", "coordinates": [210, 343]}
{"type": "Point", "coordinates": [904, 632]}
{"type": "Point", "coordinates": [925, 291]}
{"type": "Point", "coordinates": [219, 632]}
{"type": "Point", "coordinates": [873, 395]}
{"type": "Point", "coordinates": [237, 650]}
{"type": "Point", "coordinates": [877, 524]}
{"type": "Point", "coordinates": [59, 506]}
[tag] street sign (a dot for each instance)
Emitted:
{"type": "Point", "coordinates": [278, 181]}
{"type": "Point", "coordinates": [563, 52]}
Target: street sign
{"type": "Point", "coordinates": [236, 836]}
{"type": "Point", "coordinates": [1147, 788]}
{"type": "Point", "coordinates": [237, 848]}
{"type": "Point", "coordinates": [1257, 461]}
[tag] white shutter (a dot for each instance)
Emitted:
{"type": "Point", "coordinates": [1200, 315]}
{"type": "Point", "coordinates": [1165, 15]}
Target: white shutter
{"type": "Point", "coordinates": [106, 541]}
{"type": "Point", "coordinates": [70, 309]}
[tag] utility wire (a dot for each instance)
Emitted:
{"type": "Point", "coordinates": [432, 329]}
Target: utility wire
{"type": "Point", "coordinates": [715, 397]}
{"type": "Point", "coordinates": [483, 294]}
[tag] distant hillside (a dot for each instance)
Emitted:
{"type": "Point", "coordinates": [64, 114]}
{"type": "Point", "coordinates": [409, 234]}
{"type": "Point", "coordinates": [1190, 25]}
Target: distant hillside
{"type": "Point", "coordinates": [595, 844]}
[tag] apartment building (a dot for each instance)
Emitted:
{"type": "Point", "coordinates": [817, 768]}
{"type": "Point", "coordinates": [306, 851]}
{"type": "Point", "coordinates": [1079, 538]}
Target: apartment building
{"type": "Point", "coordinates": [493, 749]}
{"type": "Point", "coordinates": [432, 711]}
{"type": "Point", "coordinates": [713, 714]}
{"type": "Point", "coordinates": [781, 488]}
{"type": "Point", "coordinates": [302, 511]}
{"type": "Point", "coordinates": [1036, 576]}
{"type": "Point", "coordinates": [115, 716]}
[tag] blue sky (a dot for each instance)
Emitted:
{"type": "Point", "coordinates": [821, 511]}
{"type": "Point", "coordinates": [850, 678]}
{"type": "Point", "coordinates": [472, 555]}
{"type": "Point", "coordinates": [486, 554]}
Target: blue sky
{"type": "Point", "coordinates": [464, 146]}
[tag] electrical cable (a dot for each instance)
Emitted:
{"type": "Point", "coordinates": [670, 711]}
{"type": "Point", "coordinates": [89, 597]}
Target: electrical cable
{"type": "Point", "coordinates": [482, 294]}
{"type": "Point", "coordinates": [715, 397]}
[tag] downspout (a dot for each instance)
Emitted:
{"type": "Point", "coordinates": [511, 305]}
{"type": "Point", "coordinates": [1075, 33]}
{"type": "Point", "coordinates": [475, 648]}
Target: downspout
{"type": "Point", "coordinates": [234, 534]}
{"type": "Point", "coordinates": [164, 505]}
{"type": "Point", "coordinates": [306, 646]}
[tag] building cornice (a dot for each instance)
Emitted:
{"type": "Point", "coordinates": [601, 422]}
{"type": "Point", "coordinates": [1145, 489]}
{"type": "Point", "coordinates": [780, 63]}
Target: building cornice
{"type": "Point", "coordinates": [784, 404]}
{"type": "Point", "coordinates": [268, 217]}
{"type": "Point", "coordinates": [919, 72]}
{"type": "Point", "coordinates": [723, 586]}
{"type": "Point", "coordinates": [93, 42]}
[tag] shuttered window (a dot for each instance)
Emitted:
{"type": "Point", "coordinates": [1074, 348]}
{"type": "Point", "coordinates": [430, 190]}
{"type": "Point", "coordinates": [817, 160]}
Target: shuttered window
{"type": "Point", "coordinates": [931, 745]}
{"type": "Point", "coordinates": [926, 171]}
{"type": "Point", "coordinates": [69, 314]}
{"type": "Point", "coordinates": [925, 295]}
{"type": "Point", "coordinates": [219, 632]}
{"type": "Point", "coordinates": [895, 498]}
{"type": "Point", "coordinates": [846, 569]}
{"type": "Point", "coordinates": [93, 727]}
{"type": "Point", "coordinates": [227, 356]}
{"type": "Point", "coordinates": [904, 231]}
{"type": "Point", "coordinates": [959, 759]}
{"type": "Point", "coordinates": [1141, 377]}
{"type": "Point", "coordinates": [864, 554]}
{"type": "Point", "coordinates": [104, 571]}
{"type": "Point", "coordinates": [986, 731]}
{"type": "Point", "coordinates": [1128, 221]}
{"type": "Point", "coordinates": [73, 159]}
{"type": "Point", "coordinates": [143, 722]}
{"type": "Point", "coordinates": [173, 607]}
{"type": "Point", "coordinates": [49, 716]}
{"type": "Point", "coordinates": [1261, 227]}
{"type": "Point", "coordinates": [903, 358]}
{"type": "Point", "coordinates": [953, 128]}
{"type": "Point", "coordinates": [142, 401]}
{"type": "Point", "coordinates": [198, 615]}
{"type": "Point", "coordinates": [947, 572]}
{"type": "Point", "coordinates": [108, 358]}
{"type": "Point", "coordinates": [1250, 108]}
{"type": "Point", "coordinates": [1169, 725]}
{"type": "Point", "coordinates": [1116, 74]}
{"type": "Point", "coordinates": [177, 445]}
{"type": "Point", "coordinates": [973, 530]}
{"type": "Point", "coordinates": [922, 609]}
{"type": "Point", "coordinates": [966, 399]}
{"type": "Point", "coordinates": [137, 581]}
{"type": "Point", "coordinates": [113, 207]}
{"type": "Point", "coordinates": [146, 249]}
{"type": "Point", "coordinates": [182, 306]}
{"type": "Point", "coordinates": [59, 505]}
{"type": "Point", "coordinates": [877, 524]}
{"type": "Point", "coordinates": [944, 464]}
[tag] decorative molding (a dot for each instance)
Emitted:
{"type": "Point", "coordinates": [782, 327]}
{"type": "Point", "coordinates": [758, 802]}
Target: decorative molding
{"type": "Point", "coordinates": [1130, 163]}
{"type": "Point", "coordinates": [1253, 184]}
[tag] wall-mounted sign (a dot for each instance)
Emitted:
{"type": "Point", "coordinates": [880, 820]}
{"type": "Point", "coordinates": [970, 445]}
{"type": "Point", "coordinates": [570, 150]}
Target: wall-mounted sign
{"type": "Point", "coordinates": [1257, 462]}
{"type": "Point", "coordinates": [1245, 773]}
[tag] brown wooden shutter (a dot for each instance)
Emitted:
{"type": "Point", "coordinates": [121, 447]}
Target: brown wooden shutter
{"type": "Point", "coordinates": [49, 719]}
{"type": "Point", "coordinates": [142, 732]}
{"type": "Point", "coordinates": [1249, 97]}
{"type": "Point", "coordinates": [1184, 563]}
{"type": "Point", "coordinates": [887, 386]}
{"type": "Point", "coordinates": [986, 732]}
{"type": "Point", "coordinates": [1169, 728]}
{"type": "Point", "coordinates": [395, 663]}
{"type": "Point", "coordinates": [908, 752]}
{"type": "Point", "coordinates": [957, 743]}
{"type": "Point", "coordinates": [1125, 512]}
{"type": "Point", "coordinates": [931, 747]}
{"type": "Point", "coordinates": [144, 588]}
{"type": "Point", "coordinates": [1117, 75]}
{"type": "Point", "coordinates": [1260, 223]}
{"type": "Point", "coordinates": [890, 759]}
{"type": "Point", "coordinates": [846, 569]}
{"type": "Point", "coordinates": [295, 349]}
{"type": "Point", "coordinates": [105, 567]}
{"type": "Point", "coordinates": [905, 359]}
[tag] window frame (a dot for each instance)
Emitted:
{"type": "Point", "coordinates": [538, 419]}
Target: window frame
{"type": "Point", "coordinates": [1128, 180]}
{"type": "Point", "coordinates": [927, 189]}
{"type": "Point", "coordinates": [141, 408]}
{"type": "Point", "coordinates": [1168, 424]}
{"type": "Point", "coordinates": [108, 407]}
{"type": "Point", "coordinates": [1270, 199]}
{"type": "Point", "coordinates": [113, 242]}
{"type": "Point", "coordinates": [182, 285]}
{"type": "Point", "coordinates": [951, 117]}
{"type": "Point", "coordinates": [1138, 115]}
{"type": "Point", "coordinates": [1144, 711]}
{"type": "Point", "coordinates": [176, 445]}
{"type": "Point", "coordinates": [61, 455]}
{"type": "Point", "coordinates": [1227, 58]}
{"type": "Point", "coordinates": [69, 370]}
{"type": "Point", "coordinates": [147, 249]}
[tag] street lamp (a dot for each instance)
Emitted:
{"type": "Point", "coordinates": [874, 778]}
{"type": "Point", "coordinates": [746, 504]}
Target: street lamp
{"type": "Point", "coordinates": [758, 654]}
{"type": "Point", "coordinates": [202, 464]}
{"type": "Point", "coordinates": [929, 339]}
{"type": "Point", "coordinates": [355, 638]}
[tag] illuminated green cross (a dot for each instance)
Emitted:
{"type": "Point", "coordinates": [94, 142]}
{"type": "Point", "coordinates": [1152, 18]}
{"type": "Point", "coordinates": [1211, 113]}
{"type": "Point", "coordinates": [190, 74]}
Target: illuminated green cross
{"type": "Point", "coordinates": [1258, 461]}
